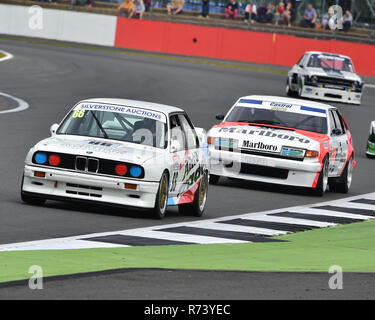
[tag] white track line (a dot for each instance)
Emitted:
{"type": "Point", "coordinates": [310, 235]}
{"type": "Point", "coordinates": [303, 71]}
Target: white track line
{"type": "Point", "coordinates": [369, 85]}
{"type": "Point", "coordinates": [22, 105]}
{"type": "Point", "coordinates": [331, 213]}
{"type": "Point", "coordinates": [155, 232]}
{"type": "Point", "coordinates": [8, 56]}
{"type": "Point", "coordinates": [165, 235]}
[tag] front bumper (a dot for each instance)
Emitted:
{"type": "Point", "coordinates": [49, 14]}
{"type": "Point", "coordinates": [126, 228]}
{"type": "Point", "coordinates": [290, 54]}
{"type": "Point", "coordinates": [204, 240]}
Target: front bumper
{"type": "Point", "coordinates": [370, 148]}
{"type": "Point", "coordinates": [331, 94]}
{"type": "Point", "coordinates": [264, 169]}
{"type": "Point", "coordinates": [62, 184]}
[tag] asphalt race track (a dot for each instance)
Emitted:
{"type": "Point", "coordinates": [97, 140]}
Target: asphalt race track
{"type": "Point", "coordinates": [51, 78]}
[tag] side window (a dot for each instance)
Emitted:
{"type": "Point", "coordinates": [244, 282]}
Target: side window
{"type": "Point", "coordinates": [177, 134]}
{"type": "Point", "coordinates": [332, 121]}
{"type": "Point", "coordinates": [338, 122]}
{"type": "Point", "coordinates": [190, 134]}
{"type": "Point", "coordinates": [341, 119]}
{"type": "Point", "coordinates": [301, 61]}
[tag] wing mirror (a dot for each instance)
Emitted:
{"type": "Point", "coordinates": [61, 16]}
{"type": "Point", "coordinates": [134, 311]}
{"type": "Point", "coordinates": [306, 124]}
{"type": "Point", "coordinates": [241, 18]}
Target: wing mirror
{"type": "Point", "coordinates": [53, 129]}
{"type": "Point", "coordinates": [336, 132]}
{"type": "Point", "coordinates": [220, 116]}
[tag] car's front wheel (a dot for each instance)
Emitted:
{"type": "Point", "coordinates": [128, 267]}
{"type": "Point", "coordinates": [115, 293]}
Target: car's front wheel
{"type": "Point", "coordinates": [196, 208]}
{"type": "Point", "coordinates": [29, 199]}
{"type": "Point", "coordinates": [343, 183]}
{"type": "Point", "coordinates": [289, 92]}
{"type": "Point", "coordinates": [322, 184]}
{"type": "Point", "coordinates": [161, 200]}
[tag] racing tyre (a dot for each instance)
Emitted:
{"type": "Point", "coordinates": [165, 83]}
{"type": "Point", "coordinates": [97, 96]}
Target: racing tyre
{"type": "Point", "coordinates": [300, 89]}
{"type": "Point", "coordinates": [289, 93]}
{"type": "Point", "coordinates": [343, 183]}
{"type": "Point", "coordinates": [214, 179]}
{"type": "Point", "coordinates": [32, 200]}
{"type": "Point", "coordinates": [322, 184]}
{"type": "Point", "coordinates": [161, 200]}
{"type": "Point", "coordinates": [196, 208]}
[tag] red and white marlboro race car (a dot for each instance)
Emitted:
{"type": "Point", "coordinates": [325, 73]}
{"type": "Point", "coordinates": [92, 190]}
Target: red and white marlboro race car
{"type": "Point", "coordinates": [283, 141]}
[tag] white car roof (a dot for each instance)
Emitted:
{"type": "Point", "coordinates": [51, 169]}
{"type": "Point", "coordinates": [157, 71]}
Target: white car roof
{"type": "Point", "coordinates": [285, 100]}
{"type": "Point", "coordinates": [328, 53]}
{"type": "Point", "coordinates": [135, 103]}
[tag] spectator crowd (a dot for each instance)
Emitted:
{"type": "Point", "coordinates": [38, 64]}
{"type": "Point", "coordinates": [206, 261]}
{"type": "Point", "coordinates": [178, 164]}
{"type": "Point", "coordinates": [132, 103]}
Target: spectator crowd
{"type": "Point", "coordinates": [282, 13]}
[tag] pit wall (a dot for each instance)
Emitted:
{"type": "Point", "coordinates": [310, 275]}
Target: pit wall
{"type": "Point", "coordinates": [178, 38]}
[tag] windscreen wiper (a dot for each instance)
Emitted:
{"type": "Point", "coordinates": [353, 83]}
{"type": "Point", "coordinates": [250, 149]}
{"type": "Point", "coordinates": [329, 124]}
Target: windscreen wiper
{"type": "Point", "coordinates": [99, 125]}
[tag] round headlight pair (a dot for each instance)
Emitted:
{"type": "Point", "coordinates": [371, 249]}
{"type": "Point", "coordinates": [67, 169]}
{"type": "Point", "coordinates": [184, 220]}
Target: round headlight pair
{"type": "Point", "coordinates": [42, 157]}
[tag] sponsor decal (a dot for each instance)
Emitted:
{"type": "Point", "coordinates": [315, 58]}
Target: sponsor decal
{"type": "Point", "coordinates": [120, 109]}
{"type": "Point", "coordinates": [259, 146]}
{"type": "Point", "coordinates": [280, 106]}
{"type": "Point", "coordinates": [265, 133]}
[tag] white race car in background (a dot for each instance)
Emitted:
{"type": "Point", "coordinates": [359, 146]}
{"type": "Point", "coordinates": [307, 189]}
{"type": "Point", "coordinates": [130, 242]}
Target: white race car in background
{"type": "Point", "coordinates": [325, 76]}
{"type": "Point", "coordinates": [283, 141]}
{"type": "Point", "coordinates": [121, 152]}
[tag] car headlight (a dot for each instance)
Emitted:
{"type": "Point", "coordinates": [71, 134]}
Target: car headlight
{"type": "Point", "coordinates": [356, 84]}
{"type": "Point", "coordinates": [135, 171]}
{"type": "Point", "coordinates": [293, 152]}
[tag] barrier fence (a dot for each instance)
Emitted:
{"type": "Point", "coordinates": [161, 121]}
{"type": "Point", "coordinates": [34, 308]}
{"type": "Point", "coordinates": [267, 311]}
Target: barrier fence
{"type": "Point", "coordinates": [178, 38]}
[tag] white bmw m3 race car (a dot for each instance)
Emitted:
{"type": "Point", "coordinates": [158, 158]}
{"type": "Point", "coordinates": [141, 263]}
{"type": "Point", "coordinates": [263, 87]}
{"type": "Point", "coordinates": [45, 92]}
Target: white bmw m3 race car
{"type": "Point", "coordinates": [325, 76]}
{"type": "Point", "coordinates": [283, 141]}
{"type": "Point", "coordinates": [121, 152]}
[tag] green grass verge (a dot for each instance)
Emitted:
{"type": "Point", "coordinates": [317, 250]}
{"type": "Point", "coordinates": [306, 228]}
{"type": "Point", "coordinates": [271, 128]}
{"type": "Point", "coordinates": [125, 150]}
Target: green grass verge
{"type": "Point", "coordinates": [2, 55]}
{"type": "Point", "coordinates": [350, 246]}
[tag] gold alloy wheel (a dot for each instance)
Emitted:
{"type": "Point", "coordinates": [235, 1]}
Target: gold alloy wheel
{"type": "Point", "coordinates": [163, 194]}
{"type": "Point", "coordinates": [202, 192]}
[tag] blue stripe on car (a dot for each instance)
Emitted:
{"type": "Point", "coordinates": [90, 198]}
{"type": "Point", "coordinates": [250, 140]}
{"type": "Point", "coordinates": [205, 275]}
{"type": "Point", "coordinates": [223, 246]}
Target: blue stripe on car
{"type": "Point", "coordinates": [251, 101]}
{"type": "Point", "coordinates": [313, 109]}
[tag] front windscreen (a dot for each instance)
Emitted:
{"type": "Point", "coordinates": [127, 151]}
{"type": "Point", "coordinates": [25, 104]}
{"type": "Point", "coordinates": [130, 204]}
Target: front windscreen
{"type": "Point", "coordinates": [278, 118]}
{"type": "Point", "coordinates": [126, 124]}
{"type": "Point", "coordinates": [330, 62]}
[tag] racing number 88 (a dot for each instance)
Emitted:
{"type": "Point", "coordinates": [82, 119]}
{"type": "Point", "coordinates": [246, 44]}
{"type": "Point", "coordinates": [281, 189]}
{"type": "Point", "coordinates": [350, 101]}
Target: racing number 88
{"type": "Point", "coordinates": [78, 113]}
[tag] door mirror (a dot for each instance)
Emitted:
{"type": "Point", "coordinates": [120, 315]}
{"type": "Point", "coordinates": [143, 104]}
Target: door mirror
{"type": "Point", "coordinates": [53, 129]}
{"type": "Point", "coordinates": [336, 132]}
{"type": "Point", "coordinates": [175, 145]}
{"type": "Point", "coordinates": [301, 66]}
{"type": "Point", "coordinates": [220, 116]}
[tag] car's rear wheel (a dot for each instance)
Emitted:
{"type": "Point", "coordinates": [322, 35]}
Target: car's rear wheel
{"type": "Point", "coordinates": [196, 208]}
{"type": "Point", "coordinates": [161, 200]}
{"type": "Point", "coordinates": [214, 179]}
{"type": "Point", "coordinates": [29, 199]}
{"type": "Point", "coordinates": [322, 184]}
{"type": "Point", "coordinates": [343, 183]}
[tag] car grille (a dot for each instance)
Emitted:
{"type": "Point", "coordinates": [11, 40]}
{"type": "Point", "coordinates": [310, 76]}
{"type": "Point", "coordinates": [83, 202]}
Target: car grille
{"type": "Point", "coordinates": [270, 155]}
{"type": "Point", "coordinates": [83, 190]}
{"type": "Point", "coordinates": [335, 81]}
{"type": "Point", "coordinates": [89, 165]}
{"type": "Point", "coordinates": [264, 171]}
